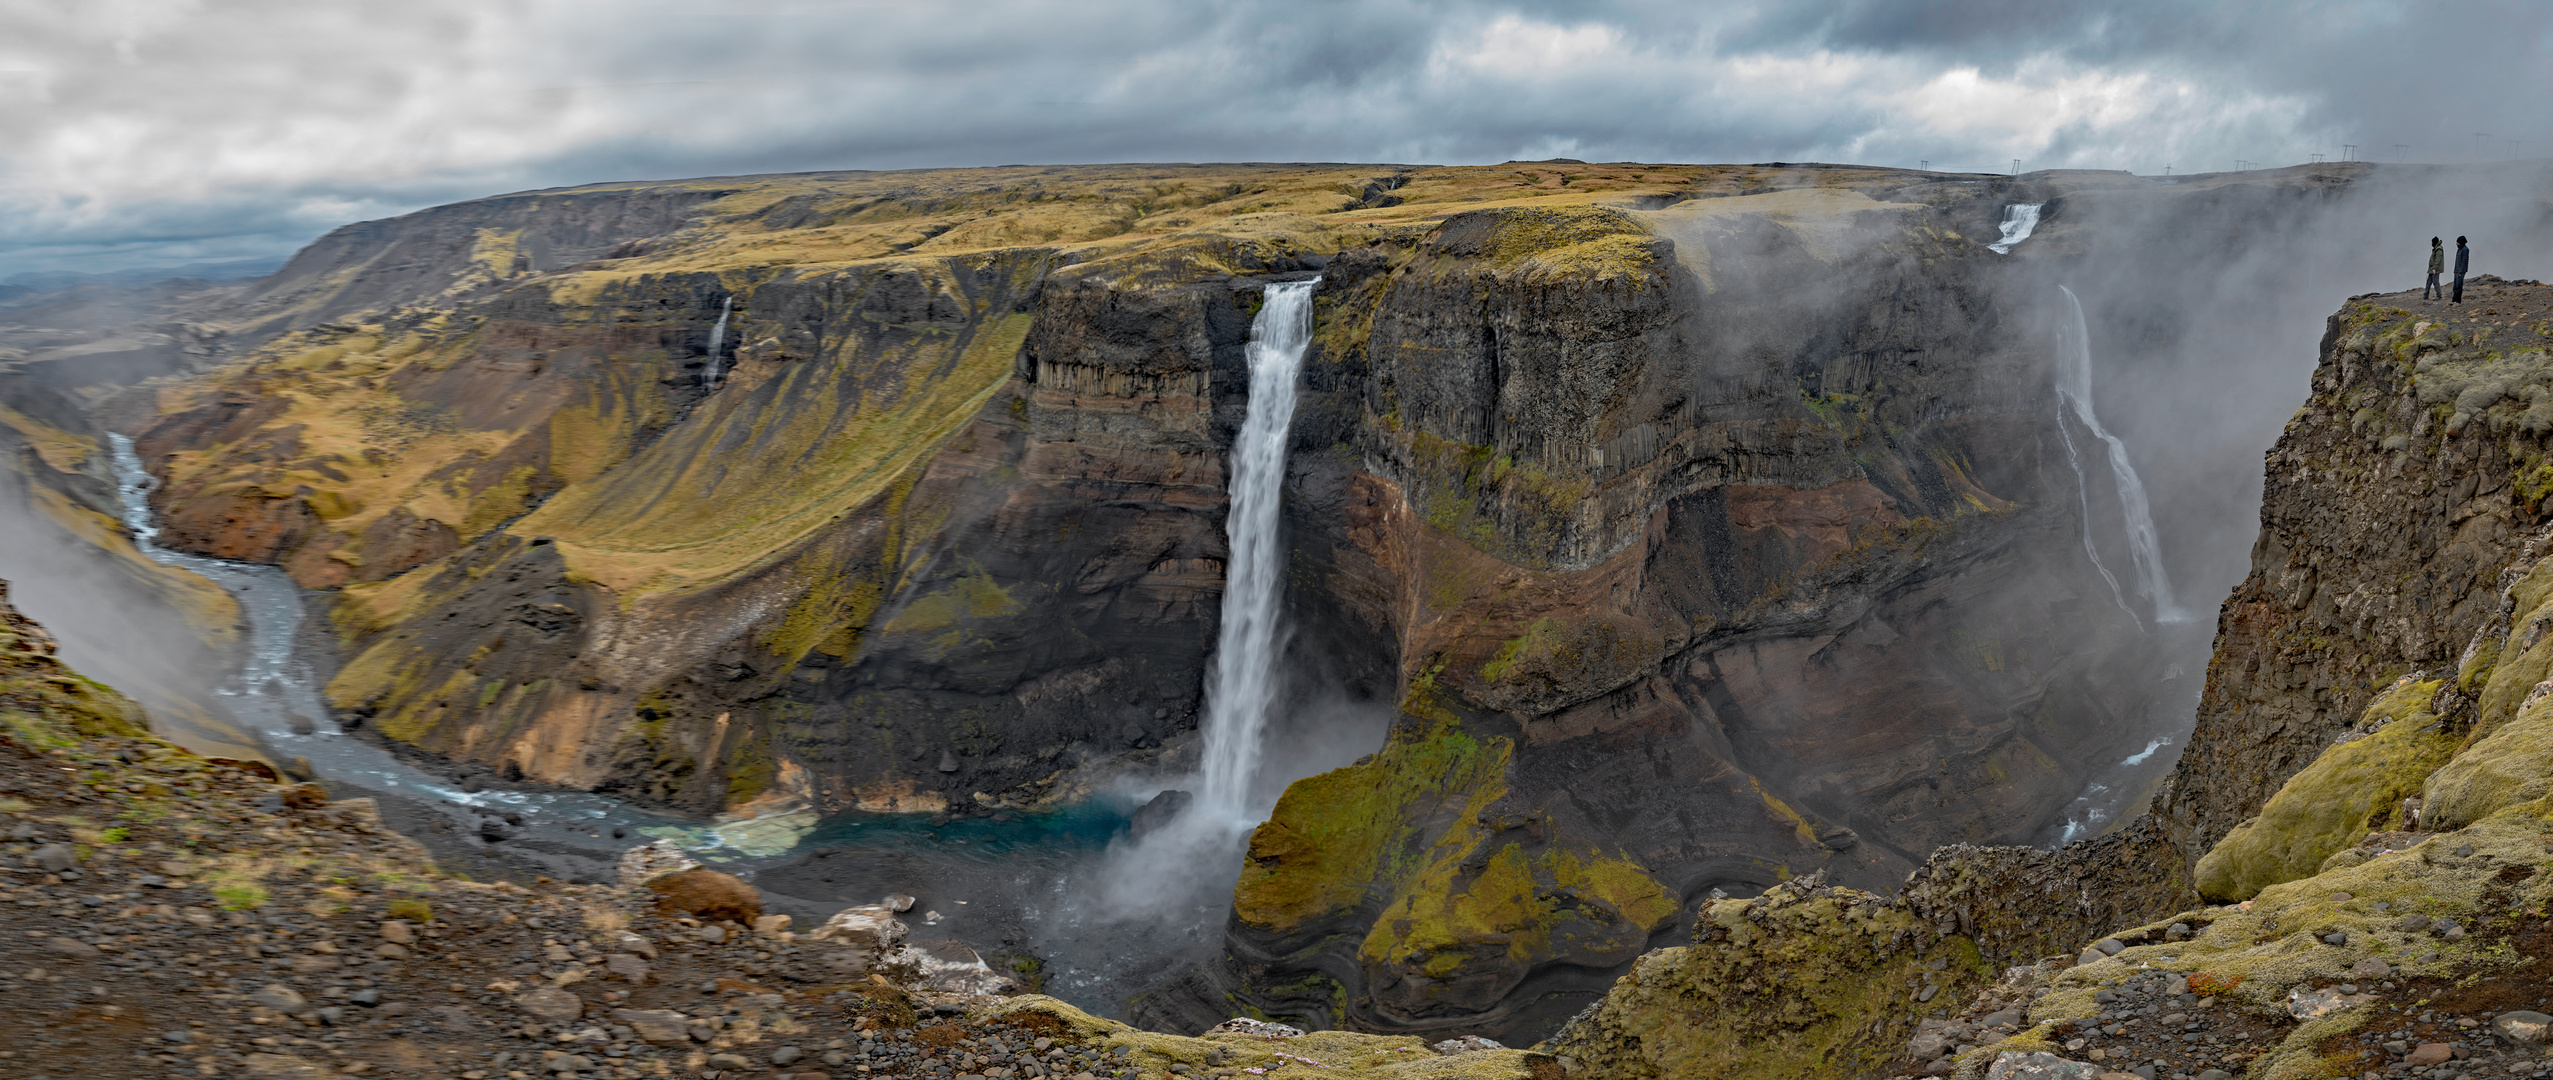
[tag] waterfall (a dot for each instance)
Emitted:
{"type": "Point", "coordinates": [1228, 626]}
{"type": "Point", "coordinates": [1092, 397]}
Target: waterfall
{"type": "Point", "coordinates": [2074, 390]}
{"type": "Point", "coordinates": [1244, 683]}
{"type": "Point", "coordinates": [2018, 220]}
{"type": "Point", "coordinates": [717, 338]}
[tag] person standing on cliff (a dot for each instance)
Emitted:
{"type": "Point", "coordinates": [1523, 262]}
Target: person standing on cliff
{"type": "Point", "coordinates": [2437, 266]}
{"type": "Point", "coordinates": [2463, 258]}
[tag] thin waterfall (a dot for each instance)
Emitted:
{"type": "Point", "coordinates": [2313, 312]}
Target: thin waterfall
{"type": "Point", "coordinates": [2074, 389]}
{"type": "Point", "coordinates": [2019, 219]}
{"type": "Point", "coordinates": [2083, 498]}
{"type": "Point", "coordinates": [1244, 682]}
{"type": "Point", "coordinates": [717, 340]}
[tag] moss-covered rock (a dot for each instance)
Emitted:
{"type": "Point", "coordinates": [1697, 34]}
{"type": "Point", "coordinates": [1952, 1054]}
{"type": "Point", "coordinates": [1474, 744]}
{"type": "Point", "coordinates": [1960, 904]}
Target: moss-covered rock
{"type": "Point", "coordinates": [1805, 981]}
{"type": "Point", "coordinates": [2353, 787]}
{"type": "Point", "coordinates": [2511, 765]}
{"type": "Point", "coordinates": [1344, 1055]}
{"type": "Point", "coordinates": [2395, 906]}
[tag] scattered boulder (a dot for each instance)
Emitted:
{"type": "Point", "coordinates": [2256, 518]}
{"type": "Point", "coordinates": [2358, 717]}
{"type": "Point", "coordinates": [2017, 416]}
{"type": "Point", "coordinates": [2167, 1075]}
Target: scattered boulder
{"type": "Point", "coordinates": [2525, 1027]}
{"type": "Point", "coordinates": [551, 1004]}
{"type": "Point", "coordinates": [647, 862]}
{"type": "Point", "coordinates": [871, 926]}
{"type": "Point", "coordinates": [708, 894]}
{"type": "Point", "coordinates": [1466, 1044]}
{"type": "Point", "coordinates": [62, 946]}
{"type": "Point", "coordinates": [1161, 810]}
{"type": "Point", "coordinates": [626, 967]}
{"type": "Point", "coordinates": [398, 932]}
{"type": "Point", "coordinates": [660, 1026]}
{"type": "Point", "coordinates": [281, 998]}
{"type": "Point", "coordinates": [1242, 1025]}
{"type": "Point", "coordinates": [632, 943]}
{"type": "Point", "coordinates": [2015, 1065]}
{"type": "Point", "coordinates": [53, 858]}
{"type": "Point", "coordinates": [770, 926]}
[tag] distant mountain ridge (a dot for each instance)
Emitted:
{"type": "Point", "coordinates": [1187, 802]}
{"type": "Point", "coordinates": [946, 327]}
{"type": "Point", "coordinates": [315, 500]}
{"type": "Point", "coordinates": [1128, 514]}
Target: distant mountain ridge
{"type": "Point", "coordinates": [219, 270]}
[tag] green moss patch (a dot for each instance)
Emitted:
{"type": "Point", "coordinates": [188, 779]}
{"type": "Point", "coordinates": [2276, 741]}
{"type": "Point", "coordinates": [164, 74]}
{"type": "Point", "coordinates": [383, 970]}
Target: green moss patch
{"type": "Point", "coordinates": [2353, 787]}
{"type": "Point", "coordinates": [1335, 836]}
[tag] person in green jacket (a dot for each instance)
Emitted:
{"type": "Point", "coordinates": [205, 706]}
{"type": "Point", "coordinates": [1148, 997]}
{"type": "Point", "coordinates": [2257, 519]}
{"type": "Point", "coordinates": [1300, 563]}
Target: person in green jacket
{"type": "Point", "coordinates": [2437, 266]}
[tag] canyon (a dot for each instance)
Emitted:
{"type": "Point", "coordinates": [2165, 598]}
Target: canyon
{"type": "Point", "coordinates": [1652, 534]}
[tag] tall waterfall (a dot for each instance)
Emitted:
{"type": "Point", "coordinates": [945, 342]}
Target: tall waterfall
{"type": "Point", "coordinates": [717, 340]}
{"type": "Point", "coordinates": [1244, 684]}
{"type": "Point", "coordinates": [2074, 390]}
{"type": "Point", "coordinates": [2018, 221]}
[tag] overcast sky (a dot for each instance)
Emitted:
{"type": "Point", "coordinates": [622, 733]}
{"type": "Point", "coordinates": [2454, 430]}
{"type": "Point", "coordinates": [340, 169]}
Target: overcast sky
{"type": "Point", "coordinates": [157, 132]}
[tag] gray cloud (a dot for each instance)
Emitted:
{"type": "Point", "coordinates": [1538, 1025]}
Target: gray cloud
{"type": "Point", "coordinates": [134, 133]}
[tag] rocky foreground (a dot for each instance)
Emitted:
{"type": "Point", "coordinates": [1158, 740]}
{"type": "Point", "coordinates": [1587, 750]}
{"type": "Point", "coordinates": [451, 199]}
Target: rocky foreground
{"type": "Point", "coordinates": [172, 915]}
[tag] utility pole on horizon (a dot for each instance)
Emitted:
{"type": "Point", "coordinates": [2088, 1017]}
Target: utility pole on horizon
{"type": "Point", "coordinates": [2401, 152]}
{"type": "Point", "coordinates": [2016, 166]}
{"type": "Point", "coordinates": [2349, 151]}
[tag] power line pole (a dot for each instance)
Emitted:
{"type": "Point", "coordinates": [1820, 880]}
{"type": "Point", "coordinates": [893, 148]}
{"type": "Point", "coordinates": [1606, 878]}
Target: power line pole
{"type": "Point", "coordinates": [2016, 166]}
{"type": "Point", "coordinates": [1924, 165]}
{"type": "Point", "coordinates": [2401, 152]}
{"type": "Point", "coordinates": [2318, 159]}
{"type": "Point", "coordinates": [2349, 151]}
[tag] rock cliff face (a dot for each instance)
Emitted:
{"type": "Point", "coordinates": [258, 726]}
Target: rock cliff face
{"type": "Point", "coordinates": [2365, 792]}
{"type": "Point", "coordinates": [1700, 526]}
{"type": "Point", "coordinates": [2396, 504]}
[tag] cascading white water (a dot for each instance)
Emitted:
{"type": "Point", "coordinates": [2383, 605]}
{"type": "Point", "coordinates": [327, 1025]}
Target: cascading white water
{"type": "Point", "coordinates": [2083, 499]}
{"type": "Point", "coordinates": [717, 340]}
{"type": "Point", "coordinates": [1244, 684]}
{"type": "Point", "coordinates": [2074, 389]}
{"type": "Point", "coordinates": [2018, 221]}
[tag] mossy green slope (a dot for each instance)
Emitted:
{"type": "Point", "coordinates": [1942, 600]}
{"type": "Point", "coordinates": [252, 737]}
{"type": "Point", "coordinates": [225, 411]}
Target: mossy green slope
{"type": "Point", "coordinates": [1805, 982]}
{"type": "Point", "coordinates": [2353, 787]}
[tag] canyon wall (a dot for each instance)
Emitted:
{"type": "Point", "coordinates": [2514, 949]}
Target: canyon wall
{"type": "Point", "coordinates": [1699, 526]}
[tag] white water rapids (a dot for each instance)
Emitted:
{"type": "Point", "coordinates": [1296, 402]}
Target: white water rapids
{"type": "Point", "coordinates": [2019, 219]}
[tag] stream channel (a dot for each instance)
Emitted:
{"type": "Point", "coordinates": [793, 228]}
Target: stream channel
{"type": "Point", "coordinates": [1019, 892]}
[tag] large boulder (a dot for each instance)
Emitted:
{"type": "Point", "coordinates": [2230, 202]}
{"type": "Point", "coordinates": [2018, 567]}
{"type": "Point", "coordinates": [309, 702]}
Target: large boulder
{"type": "Point", "coordinates": [647, 862]}
{"type": "Point", "coordinates": [708, 894]}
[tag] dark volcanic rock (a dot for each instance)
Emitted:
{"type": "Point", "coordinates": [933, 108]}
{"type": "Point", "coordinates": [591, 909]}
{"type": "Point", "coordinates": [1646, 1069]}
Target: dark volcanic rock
{"type": "Point", "coordinates": [1161, 810]}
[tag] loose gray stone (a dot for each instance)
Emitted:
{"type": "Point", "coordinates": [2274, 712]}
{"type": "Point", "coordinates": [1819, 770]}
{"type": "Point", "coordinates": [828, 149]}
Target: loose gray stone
{"type": "Point", "coordinates": [52, 858]}
{"type": "Point", "coordinates": [656, 1025]}
{"type": "Point", "coordinates": [2524, 1027]}
{"type": "Point", "coordinates": [2110, 946]}
{"type": "Point", "coordinates": [551, 1003]}
{"type": "Point", "coordinates": [2015, 1065]}
{"type": "Point", "coordinates": [786, 1054]}
{"type": "Point", "coordinates": [280, 998]}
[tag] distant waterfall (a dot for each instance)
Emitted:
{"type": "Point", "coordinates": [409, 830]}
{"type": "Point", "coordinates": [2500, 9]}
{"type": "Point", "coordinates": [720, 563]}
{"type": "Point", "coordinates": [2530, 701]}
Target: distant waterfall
{"type": "Point", "coordinates": [2018, 221]}
{"type": "Point", "coordinates": [2074, 390]}
{"type": "Point", "coordinates": [1244, 683]}
{"type": "Point", "coordinates": [717, 340]}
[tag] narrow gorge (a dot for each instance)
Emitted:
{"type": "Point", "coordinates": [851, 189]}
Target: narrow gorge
{"type": "Point", "coordinates": [1516, 601]}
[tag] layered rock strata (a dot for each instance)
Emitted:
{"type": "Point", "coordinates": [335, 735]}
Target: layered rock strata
{"type": "Point", "coordinates": [1690, 548]}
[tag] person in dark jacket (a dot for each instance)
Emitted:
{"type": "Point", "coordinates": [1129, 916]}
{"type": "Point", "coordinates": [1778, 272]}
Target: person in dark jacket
{"type": "Point", "coordinates": [2437, 266]}
{"type": "Point", "coordinates": [2463, 258]}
